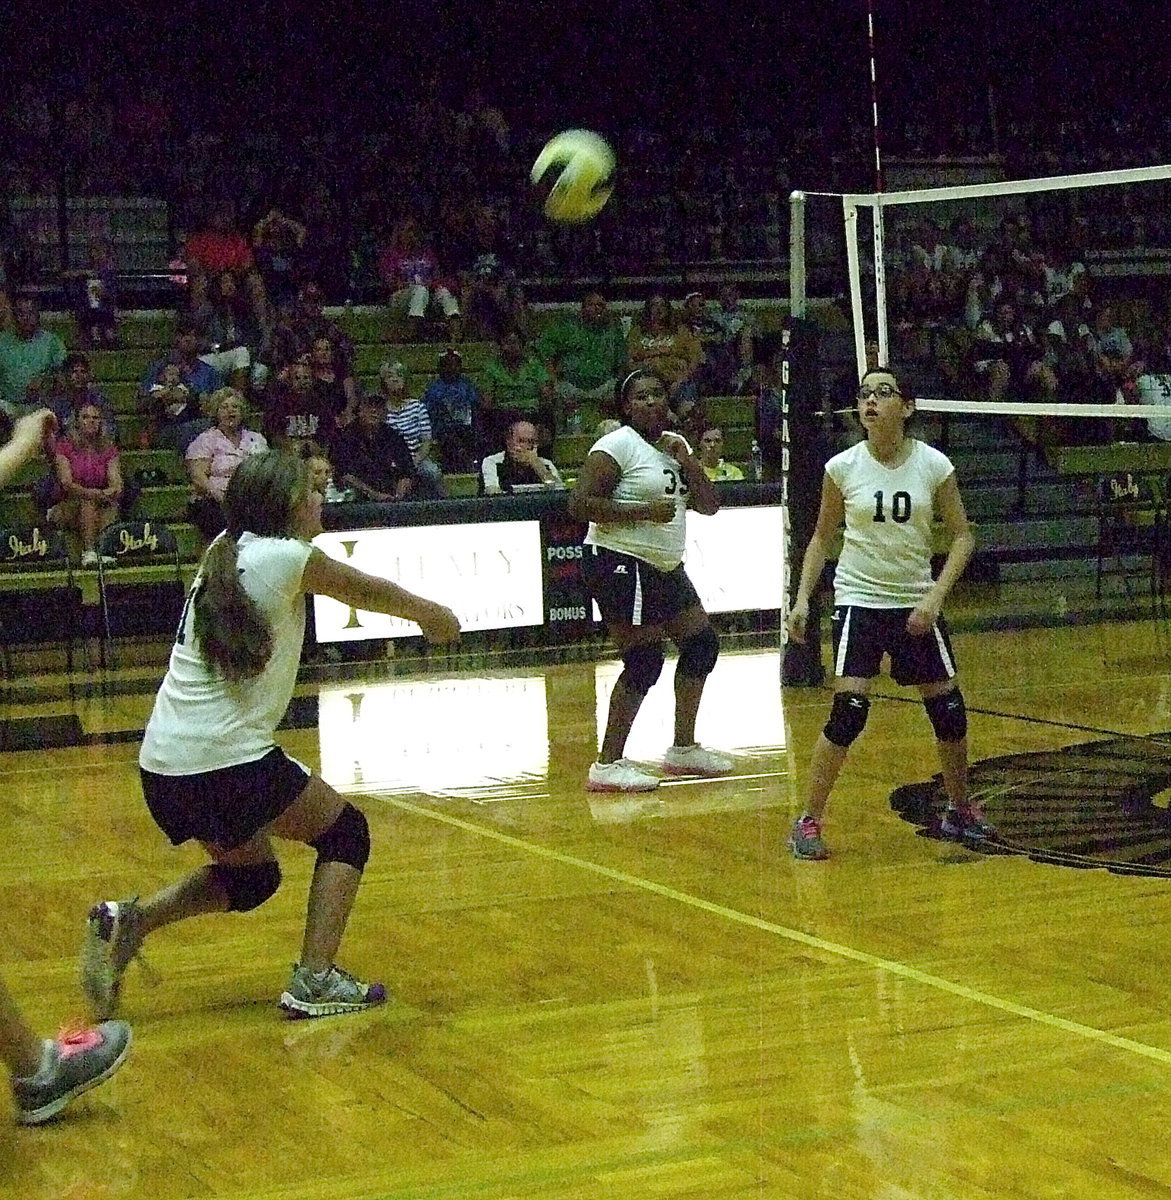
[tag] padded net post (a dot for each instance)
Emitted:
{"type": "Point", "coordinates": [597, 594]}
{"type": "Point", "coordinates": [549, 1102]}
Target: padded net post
{"type": "Point", "coordinates": [803, 458]}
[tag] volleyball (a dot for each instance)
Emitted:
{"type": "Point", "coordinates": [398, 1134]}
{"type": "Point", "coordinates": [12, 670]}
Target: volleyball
{"type": "Point", "coordinates": [575, 171]}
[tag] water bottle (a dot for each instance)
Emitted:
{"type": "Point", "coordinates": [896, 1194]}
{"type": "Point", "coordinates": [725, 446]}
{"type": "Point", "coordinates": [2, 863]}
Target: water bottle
{"type": "Point", "coordinates": [757, 468]}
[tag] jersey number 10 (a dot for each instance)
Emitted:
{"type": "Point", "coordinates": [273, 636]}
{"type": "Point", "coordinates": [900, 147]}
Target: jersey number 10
{"type": "Point", "coordinates": [900, 507]}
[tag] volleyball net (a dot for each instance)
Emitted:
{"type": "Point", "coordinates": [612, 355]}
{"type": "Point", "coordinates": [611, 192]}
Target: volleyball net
{"type": "Point", "coordinates": [1033, 318]}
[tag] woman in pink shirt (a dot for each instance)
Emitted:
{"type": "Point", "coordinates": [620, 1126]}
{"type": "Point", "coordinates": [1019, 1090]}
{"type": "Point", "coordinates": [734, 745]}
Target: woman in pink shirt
{"type": "Point", "coordinates": [89, 478]}
{"type": "Point", "coordinates": [214, 455]}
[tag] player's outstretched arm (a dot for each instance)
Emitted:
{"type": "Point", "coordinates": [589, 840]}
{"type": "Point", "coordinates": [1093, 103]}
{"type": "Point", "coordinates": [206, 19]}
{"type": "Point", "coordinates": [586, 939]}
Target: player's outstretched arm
{"type": "Point", "coordinates": [29, 436]}
{"type": "Point", "coordinates": [325, 576]}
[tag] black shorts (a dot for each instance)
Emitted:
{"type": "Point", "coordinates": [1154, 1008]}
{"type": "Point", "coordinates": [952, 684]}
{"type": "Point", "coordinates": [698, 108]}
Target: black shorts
{"type": "Point", "coordinates": [861, 636]}
{"type": "Point", "coordinates": [228, 806]}
{"type": "Point", "coordinates": [630, 591]}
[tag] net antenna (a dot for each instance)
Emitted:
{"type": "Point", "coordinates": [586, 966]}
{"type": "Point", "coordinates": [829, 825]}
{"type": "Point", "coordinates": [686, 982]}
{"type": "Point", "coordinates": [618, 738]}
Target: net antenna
{"type": "Point", "coordinates": [879, 189]}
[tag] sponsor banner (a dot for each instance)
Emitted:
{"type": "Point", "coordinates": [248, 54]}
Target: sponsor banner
{"type": "Point", "coordinates": [489, 574]}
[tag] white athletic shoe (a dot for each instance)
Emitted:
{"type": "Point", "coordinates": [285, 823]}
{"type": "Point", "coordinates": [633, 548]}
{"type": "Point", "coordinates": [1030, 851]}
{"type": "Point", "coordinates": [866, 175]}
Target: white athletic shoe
{"type": "Point", "coordinates": [695, 760]}
{"type": "Point", "coordinates": [620, 776]}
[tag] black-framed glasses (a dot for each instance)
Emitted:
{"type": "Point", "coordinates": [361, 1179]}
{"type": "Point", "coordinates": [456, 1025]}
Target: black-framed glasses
{"type": "Point", "coordinates": [884, 391]}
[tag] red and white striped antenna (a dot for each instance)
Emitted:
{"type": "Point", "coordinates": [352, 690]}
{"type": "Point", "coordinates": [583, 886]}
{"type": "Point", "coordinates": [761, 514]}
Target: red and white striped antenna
{"type": "Point", "coordinates": [874, 98]}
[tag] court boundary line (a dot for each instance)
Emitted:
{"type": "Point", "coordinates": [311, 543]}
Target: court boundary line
{"type": "Point", "coordinates": [849, 953]}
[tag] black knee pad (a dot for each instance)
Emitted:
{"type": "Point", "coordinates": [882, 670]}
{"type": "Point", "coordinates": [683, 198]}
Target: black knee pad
{"type": "Point", "coordinates": [698, 653]}
{"type": "Point", "coordinates": [948, 715]}
{"type": "Point", "coordinates": [642, 666]}
{"type": "Point", "coordinates": [847, 717]}
{"type": "Point", "coordinates": [248, 887]}
{"type": "Point", "coordinates": [347, 840]}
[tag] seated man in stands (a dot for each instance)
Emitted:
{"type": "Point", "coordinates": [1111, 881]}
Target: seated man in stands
{"type": "Point", "coordinates": [517, 384]}
{"type": "Point", "coordinates": [518, 466]}
{"type": "Point", "coordinates": [296, 412]}
{"type": "Point", "coordinates": [410, 418]}
{"type": "Point", "coordinates": [370, 458]}
{"type": "Point", "coordinates": [302, 323]}
{"type": "Point", "coordinates": [453, 405]}
{"type": "Point", "coordinates": [75, 387]}
{"type": "Point", "coordinates": [173, 390]}
{"type": "Point", "coordinates": [585, 353]}
{"type": "Point", "coordinates": [30, 357]}
{"type": "Point", "coordinates": [711, 450]}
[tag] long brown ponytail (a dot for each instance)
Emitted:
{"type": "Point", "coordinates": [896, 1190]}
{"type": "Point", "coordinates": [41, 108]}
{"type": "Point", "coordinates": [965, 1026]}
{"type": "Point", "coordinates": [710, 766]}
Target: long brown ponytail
{"type": "Point", "coordinates": [232, 632]}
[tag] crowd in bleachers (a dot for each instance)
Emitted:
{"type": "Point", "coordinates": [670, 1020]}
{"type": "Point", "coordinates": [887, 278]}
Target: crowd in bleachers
{"type": "Point", "coordinates": [1011, 312]}
{"type": "Point", "coordinates": [243, 371]}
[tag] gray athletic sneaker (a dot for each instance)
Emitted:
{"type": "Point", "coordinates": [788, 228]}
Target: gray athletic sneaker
{"type": "Point", "coordinates": [84, 1059]}
{"type": "Point", "coordinates": [113, 935]}
{"type": "Point", "coordinates": [328, 993]}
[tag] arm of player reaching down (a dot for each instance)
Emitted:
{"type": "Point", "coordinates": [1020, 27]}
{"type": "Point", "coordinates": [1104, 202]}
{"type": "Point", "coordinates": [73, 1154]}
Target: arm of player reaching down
{"type": "Point", "coordinates": [949, 507]}
{"type": "Point", "coordinates": [325, 576]}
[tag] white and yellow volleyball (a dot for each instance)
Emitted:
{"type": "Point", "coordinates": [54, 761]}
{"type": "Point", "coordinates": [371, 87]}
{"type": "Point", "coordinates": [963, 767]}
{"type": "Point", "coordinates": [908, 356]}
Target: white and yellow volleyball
{"type": "Point", "coordinates": [575, 172]}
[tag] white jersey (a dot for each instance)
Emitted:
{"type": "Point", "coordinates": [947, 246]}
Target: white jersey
{"type": "Point", "coordinates": [201, 722]}
{"type": "Point", "coordinates": [886, 552]}
{"type": "Point", "coordinates": [646, 473]}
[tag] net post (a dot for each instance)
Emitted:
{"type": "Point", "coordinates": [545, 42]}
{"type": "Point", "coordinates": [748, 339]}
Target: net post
{"type": "Point", "coordinates": [797, 296]}
{"type": "Point", "coordinates": [803, 457]}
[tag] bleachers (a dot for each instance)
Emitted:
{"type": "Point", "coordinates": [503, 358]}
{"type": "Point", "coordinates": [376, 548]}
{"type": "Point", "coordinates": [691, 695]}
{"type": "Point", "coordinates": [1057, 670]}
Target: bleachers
{"type": "Point", "coordinates": [147, 336]}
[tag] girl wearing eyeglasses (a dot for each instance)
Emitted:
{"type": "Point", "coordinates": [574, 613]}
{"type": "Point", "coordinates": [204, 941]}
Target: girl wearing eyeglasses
{"type": "Point", "coordinates": [888, 491]}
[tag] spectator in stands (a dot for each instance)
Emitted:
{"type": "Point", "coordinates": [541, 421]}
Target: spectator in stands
{"type": "Point", "coordinates": [409, 417]}
{"type": "Point", "coordinates": [333, 380]}
{"type": "Point", "coordinates": [214, 455]}
{"type": "Point", "coordinates": [487, 284]}
{"type": "Point", "coordinates": [173, 390]}
{"type": "Point", "coordinates": [411, 270]}
{"type": "Point", "coordinates": [711, 451]}
{"type": "Point", "coordinates": [1069, 351]}
{"type": "Point", "coordinates": [1115, 364]}
{"type": "Point", "coordinates": [302, 324]}
{"type": "Point", "coordinates": [518, 465]}
{"type": "Point", "coordinates": [725, 337]}
{"type": "Point", "coordinates": [323, 255]}
{"type": "Point", "coordinates": [230, 335]}
{"type": "Point", "coordinates": [216, 248]}
{"type": "Point", "coordinates": [93, 296]}
{"type": "Point", "coordinates": [453, 406]}
{"type": "Point", "coordinates": [277, 242]}
{"type": "Point", "coordinates": [662, 343]}
{"type": "Point", "coordinates": [516, 383]}
{"type": "Point", "coordinates": [89, 480]}
{"type": "Point", "coordinates": [585, 353]}
{"type": "Point", "coordinates": [371, 458]}
{"type": "Point", "coordinates": [296, 412]}
{"type": "Point", "coordinates": [1153, 386]}
{"type": "Point", "coordinates": [30, 357]}
{"type": "Point", "coordinates": [75, 387]}
{"type": "Point", "coordinates": [1009, 357]}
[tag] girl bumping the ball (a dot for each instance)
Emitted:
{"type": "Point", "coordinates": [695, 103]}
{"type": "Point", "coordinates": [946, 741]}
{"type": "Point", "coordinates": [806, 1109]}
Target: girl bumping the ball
{"type": "Point", "coordinates": [634, 489]}
{"type": "Point", "coordinates": [888, 490]}
{"type": "Point", "coordinates": [210, 768]}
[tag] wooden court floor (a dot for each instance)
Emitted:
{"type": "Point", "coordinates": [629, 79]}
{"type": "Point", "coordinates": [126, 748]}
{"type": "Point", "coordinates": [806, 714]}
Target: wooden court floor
{"type": "Point", "coordinates": [641, 997]}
